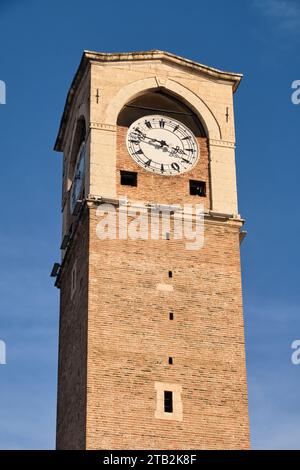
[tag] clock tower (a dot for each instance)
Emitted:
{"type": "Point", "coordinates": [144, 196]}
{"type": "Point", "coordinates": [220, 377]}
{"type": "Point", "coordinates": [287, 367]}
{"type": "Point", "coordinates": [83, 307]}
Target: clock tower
{"type": "Point", "coordinates": [151, 335]}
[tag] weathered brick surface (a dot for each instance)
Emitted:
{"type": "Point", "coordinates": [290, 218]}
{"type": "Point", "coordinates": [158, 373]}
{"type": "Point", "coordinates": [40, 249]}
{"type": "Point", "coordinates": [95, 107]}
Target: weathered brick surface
{"type": "Point", "coordinates": [131, 337]}
{"type": "Point", "coordinates": [71, 400]}
{"type": "Point", "coordinates": [116, 336]}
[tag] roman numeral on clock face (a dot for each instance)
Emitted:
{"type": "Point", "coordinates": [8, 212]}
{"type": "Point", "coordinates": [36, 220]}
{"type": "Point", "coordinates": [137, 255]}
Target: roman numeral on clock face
{"type": "Point", "coordinates": [158, 144]}
{"type": "Point", "coordinates": [175, 166]}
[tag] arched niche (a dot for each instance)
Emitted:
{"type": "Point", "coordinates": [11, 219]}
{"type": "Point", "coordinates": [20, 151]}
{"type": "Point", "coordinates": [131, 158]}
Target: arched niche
{"type": "Point", "coordinates": [78, 139]}
{"type": "Point", "coordinates": [170, 87]}
{"type": "Point", "coordinates": [159, 101]}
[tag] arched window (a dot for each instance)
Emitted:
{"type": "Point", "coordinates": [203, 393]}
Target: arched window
{"type": "Point", "coordinates": [78, 140]}
{"type": "Point", "coordinates": [158, 101]}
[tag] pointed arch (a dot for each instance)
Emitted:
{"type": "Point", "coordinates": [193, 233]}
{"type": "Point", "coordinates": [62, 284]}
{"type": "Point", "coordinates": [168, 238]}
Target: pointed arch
{"type": "Point", "coordinates": [79, 136]}
{"type": "Point", "coordinates": [195, 102]}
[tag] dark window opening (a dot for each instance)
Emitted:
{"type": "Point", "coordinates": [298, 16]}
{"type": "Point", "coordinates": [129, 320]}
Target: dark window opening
{"type": "Point", "coordinates": [171, 316]}
{"type": "Point", "coordinates": [168, 401]}
{"type": "Point", "coordinates": [197, 188]}
{"type": "Point", "coordinates": [79, 138]}
{"type": "Point", "coordinates": [170, 274]}
{"type": "Point", "coordinates": [167, 236]}
{"type": "Point", "coordinates": [170, 360]}
{"type": "Point", "coordinates": [163, 103]}
{"type": "Point", "coordinates": [128, 178]}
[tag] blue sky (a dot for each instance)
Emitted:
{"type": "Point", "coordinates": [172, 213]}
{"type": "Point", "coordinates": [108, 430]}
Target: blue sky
{"type": "Point", "coordinates": [41, 43]}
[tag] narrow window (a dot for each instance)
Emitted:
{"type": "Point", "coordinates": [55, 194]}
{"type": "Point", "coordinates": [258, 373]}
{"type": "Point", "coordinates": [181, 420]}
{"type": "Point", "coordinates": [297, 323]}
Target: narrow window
{"type": "Point", "coordinates": [197, 188]}
{"type": "Point", "coordinates": [73, 280]}
{"type": "Point", "coordinates": [168, 401]}
{"type": "Point", "coordinates": [167, 236]}
{"type": "Point", "coordinates": [170, 274]}
{"type": "Point", "coordinates": [171, 316]}
{"type": "Point", "coordinates": [170, 360]}
{"type": "Point", "coordinates": [128, 178]}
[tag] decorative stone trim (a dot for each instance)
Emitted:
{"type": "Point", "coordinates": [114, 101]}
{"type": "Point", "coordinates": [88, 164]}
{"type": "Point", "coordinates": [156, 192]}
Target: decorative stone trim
{"type": "Point", "coordinates": [161, 81]}
{"type": "Point", "coordinates": [177, 414]}
{"type": "Point", "coordinates": [131, 90]}
{"type": "Point", "coordinates": [103, 127]}
{"type": "Point", "coordinates": [221, 143]}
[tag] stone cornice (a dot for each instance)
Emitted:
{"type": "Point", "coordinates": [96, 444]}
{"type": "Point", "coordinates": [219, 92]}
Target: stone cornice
{"type": "Point", "coordinates": [94, 201]}
{"type": "Point", "coordinates": [165, 56]}
{"type": "Point", "coordinates": [89, 57]}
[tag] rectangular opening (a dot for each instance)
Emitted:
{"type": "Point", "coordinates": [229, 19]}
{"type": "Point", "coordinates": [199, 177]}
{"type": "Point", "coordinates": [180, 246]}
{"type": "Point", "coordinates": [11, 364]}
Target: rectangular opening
{"type": "Point", "coordinates": [170, 274]}
{"type": "Point", "coordinates": [73, 279]}
{"type": "Point", "coordinates": [65, 242]}
{"type": "Point", "coordinates": [168, 401]}
{"type": "Point", "coordinates": [55, 270]}
{"type": "Point", "coordinates": [171, 316]}
{"type": "Point", "coordinates": [170, 360]}
{"type": "Point", "coordinates": [197, 188]}
{"type": "Point", "coordinates": [167, 236]}
{"type": "Point", "coordinates": [128, 178]}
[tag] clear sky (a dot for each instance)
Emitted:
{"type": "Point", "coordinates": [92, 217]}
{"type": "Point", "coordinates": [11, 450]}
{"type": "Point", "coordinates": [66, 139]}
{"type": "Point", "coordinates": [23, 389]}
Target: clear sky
{"type": "Point", "coordinates": [41, 43]}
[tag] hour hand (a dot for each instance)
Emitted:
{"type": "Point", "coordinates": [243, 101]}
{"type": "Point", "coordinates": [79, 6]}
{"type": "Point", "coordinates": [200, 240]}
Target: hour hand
{"type": "Point", "coordinates": [136, 138]}
{"type": "Point", "coordinates": [178, 151]}
{"type": "Point", "coordinates": [174, 155]}
{"type": "Point", "coordinates": [161, 142]}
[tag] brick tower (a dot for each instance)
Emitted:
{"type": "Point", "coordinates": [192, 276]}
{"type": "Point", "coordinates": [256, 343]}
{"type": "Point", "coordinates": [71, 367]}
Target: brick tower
{"type": "Point", "coordinates": [151, 337]}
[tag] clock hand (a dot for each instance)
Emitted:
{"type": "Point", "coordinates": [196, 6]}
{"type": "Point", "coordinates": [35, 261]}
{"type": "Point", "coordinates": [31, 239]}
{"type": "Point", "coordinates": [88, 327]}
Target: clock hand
{"type": "Point", "coordinates": [179, 151]}
{"type": "Point", "coordinates": [137, 134]}
{"type": "Point", "coordinates": [173, 152]}
{"type": "Point", "coordinates": [151, 141]}
{"type": "Point", "coordinates": [181, 158]}
{"type": "Point", "coordinates": [161, 142]}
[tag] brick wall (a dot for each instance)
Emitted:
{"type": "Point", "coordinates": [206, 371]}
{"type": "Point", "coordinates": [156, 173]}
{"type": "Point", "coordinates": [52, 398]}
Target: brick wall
{"type": "Point", "coordinates": [131, 338]}
{"type": "Point", "coordinates": [71, 402]}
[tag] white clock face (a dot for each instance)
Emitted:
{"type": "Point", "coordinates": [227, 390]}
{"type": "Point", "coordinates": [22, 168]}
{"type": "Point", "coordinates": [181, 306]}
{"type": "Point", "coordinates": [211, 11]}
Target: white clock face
{"type": "Point", "coordinates": [78, 178]}
{"type": "Point", "coordinates": [162, 145]}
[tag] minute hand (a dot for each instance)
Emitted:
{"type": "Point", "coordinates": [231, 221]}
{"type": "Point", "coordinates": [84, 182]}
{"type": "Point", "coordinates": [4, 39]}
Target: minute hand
{"type": "Point", "coordinates": [177, 152]}
{"type": "Point", "coordinates": [179, 156]}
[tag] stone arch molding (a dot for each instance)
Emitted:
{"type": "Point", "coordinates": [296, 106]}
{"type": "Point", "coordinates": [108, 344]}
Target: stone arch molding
{"type": "Point", "coordinates": [196, 103]}
{"type": "Point", "coordinates": [82, 111]}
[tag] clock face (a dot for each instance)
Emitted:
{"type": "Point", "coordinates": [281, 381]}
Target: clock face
{"type": "Point", "coordinates": [78, 179]}
{"type": "Point", "coordinates": [162, 145]}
